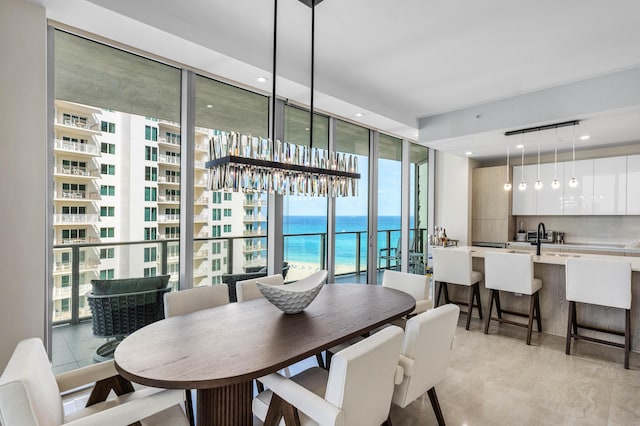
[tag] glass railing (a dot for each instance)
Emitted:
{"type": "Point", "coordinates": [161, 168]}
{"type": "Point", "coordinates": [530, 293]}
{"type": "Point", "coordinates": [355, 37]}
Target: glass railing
{"type": "Point", "coordinates": [305, 254]}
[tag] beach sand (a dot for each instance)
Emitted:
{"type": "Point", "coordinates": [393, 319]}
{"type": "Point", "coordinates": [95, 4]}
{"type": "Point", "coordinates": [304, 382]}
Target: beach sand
{"type": "Point", "coordinates": [299, 270]}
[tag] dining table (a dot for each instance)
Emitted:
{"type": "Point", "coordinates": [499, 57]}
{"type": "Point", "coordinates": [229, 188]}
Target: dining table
{"type": "Point", "coordinates": [220, 351]}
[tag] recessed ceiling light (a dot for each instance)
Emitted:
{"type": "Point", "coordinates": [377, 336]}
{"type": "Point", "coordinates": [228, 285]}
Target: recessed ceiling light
{"type": "Point", "coordinates": [520, 146]}
{"type": "Point", "coordinates": [584, 137]}
{"type": "Point", "coordinates": [306, 129]}
{"type": "Point", "coordinates": [261, 80]}
{"type": "Point", "coordinates": [358, 114]}
{"type": "Point", "coordinates": [209, 106]}
{"type": "Point", "coordinates": [468, 153]}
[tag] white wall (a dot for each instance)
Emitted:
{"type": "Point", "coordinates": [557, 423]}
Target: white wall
{"type": "Point", "coordinates": [453, 196]}
{"type": "Point", "coordinates": [23, 175]}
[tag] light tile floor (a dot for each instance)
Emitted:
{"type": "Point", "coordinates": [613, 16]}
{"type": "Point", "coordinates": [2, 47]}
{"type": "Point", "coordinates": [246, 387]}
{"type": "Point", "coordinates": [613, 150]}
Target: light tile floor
{"type": "Point", "coordinates": [497, 379]}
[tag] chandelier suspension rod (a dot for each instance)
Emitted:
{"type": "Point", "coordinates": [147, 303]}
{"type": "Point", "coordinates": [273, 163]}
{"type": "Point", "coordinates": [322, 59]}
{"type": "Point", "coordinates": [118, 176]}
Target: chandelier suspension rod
{"type": "Point", "coordinates": [313, 48]}
{"type": "Point", "coordinates": [273, 73]}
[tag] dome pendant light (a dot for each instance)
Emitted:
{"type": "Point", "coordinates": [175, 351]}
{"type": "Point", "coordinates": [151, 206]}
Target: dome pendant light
{"type": "Point", "coordinates": [555, 184]}
{"type": "Point", "coordinates": [573, 182]}
{"type": "Point", "coordinates": [522, 185]}
{"type": "Point", "coordinates": [507, 186]}
{"type": "Point", "coordinates": [538, 185]}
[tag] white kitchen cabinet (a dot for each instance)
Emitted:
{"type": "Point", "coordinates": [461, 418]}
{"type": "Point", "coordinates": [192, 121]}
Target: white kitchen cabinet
{"type": "Point", "coordinates": [633, 184]}
{"type": "Point", "coordinates": [524, 202]}
{"type": "Point", "coordinates": [578, 200]}
{"type": "Point", "coordinates": [549, 201]}
{"type": "Point", "coordinates": [610, 186]}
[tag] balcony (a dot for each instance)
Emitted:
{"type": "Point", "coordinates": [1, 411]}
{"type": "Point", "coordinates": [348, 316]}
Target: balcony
{"type": "Point", "coordinates": [254, 203]}
{"type": "Point", "coordinates": [65, 267]}
{"type": "Point", "coordinates": [198, 164]}
{"type": "Point", "coordinates": [76, 195]}
{"type": "Point", "coordinates": [202, 182]}
{"type": "Point", "coordinates": [168, 218]}
{"type": "Point", "coordinates": [75, 219]}
{"type": "Point", "coordinates": [79, 172]}
{"type": "Point", "coordinates": [175, 142]}
{"type": "Point", "coordinates": [168, 160]}
{"type": "Point", "coordinates": [254, 233]}
{"type": "Point", "coordinates": [200, 218]}
{"type": "Point", "coordinates": [169, 199]}
{"type": "Point", "coordinates": [204, 147]}
{"type": "Point", "coordinates": [69, 241]}
{"type": "Point", "coordinates": [201, 254]}
{"type": "Point", "coordinates": [77, 147]}
{"type": "Point", "coordinates": [254, 218]}
{"type": "Point", "coordinates": [81, 126]}
{"type": "Point", "coordinates": [202, 200]}
{"type": "Point", "coordinates": [169, 180]}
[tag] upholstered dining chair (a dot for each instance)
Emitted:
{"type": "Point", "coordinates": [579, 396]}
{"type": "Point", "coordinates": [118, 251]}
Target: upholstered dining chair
{"type": "Point", "coordinates": [247, 290]}
{"type": "Point", "coordinates": [195, 299]}
{"type": "Point", "coordinates": [347, 394]}
{"type": "Point", "coordinates": [30, 395]}
{"type": "Point", "coordinates": [192, 300]}
{"type": "Point", "coordinates": [425, 355]}
{"type": "Point", "coordinates": [413, 284]}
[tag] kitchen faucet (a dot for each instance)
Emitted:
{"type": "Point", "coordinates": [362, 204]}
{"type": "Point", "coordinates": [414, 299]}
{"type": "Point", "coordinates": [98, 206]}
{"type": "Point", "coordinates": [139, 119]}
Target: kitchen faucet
{"type": "Point", "coordinates": [538, 242]}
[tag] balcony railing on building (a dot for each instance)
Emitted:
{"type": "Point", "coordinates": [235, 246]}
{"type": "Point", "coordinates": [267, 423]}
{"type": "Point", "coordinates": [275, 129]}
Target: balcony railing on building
{"type": "Point", "coordinates": [76, 195]}
{"type": "Point", "coordinates": [72, 146]}
{"type": "Point", "coordinates": [75, 219]}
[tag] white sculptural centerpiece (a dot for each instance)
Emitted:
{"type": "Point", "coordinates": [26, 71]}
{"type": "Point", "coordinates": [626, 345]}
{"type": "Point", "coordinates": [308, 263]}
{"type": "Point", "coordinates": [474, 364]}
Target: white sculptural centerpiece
{"type": "Point", "coordinates": [294, 298]}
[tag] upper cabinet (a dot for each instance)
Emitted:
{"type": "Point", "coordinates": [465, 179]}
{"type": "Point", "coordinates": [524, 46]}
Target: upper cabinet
{"type": "Point", "coordinates": [549, 200]}
{"type": "Point", "coordinates": [610, 186]}
{"type": "Point", "coordinates": [491, 204]}
{"type": "Point", "coordinates": [578, 200]}
{"type": "Point", "coordinates": [633, 184]}
{"type": "Point", "coordinates": [524, 202]}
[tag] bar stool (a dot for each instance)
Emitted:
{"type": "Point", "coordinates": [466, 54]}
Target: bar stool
{"type": "Point", "coordinates": [453, 266]}
{"type": "Point", "coordinates": [599, 282]}
{"type": "Point", "coordinates": [512, 272]}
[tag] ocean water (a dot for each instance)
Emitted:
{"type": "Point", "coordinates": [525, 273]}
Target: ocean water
{"type": "Point", "coordinates": [307, 248]}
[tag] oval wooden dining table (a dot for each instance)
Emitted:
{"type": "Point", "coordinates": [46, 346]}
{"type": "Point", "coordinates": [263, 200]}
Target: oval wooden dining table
{"type": "Point", "coordinates": [219, 351]}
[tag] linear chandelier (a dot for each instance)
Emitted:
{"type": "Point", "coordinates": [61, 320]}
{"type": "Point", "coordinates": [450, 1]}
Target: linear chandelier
{"type": "Point", "coordinates": [538, 185]}
{"type": "Point", "coordinates": [250, 164]}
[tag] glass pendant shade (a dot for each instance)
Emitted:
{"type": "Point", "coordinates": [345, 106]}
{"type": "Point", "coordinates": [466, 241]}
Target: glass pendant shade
{"type": "Point", "coordinates": [573, 182]}
{"type": "Point", "coordinates": [507, 185]}
{"type": "Point", "coordinates": [555, 184]}
{"type": "Point", "coordinates": [538, 185]}
{"type": "Point", "coordinates": [522, 185]}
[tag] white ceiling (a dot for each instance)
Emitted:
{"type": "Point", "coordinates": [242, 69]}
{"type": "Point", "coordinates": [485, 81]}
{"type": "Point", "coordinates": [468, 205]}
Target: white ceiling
{"type": "Point", "coordinates": [393, 61]}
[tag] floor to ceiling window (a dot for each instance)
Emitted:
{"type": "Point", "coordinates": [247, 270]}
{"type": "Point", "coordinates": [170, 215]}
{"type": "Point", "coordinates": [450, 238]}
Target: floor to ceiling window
{"type": "Point", "coordinates": [352, 212]}
{"type": "Point", "coordinates": [230, 228]}
{"type": "Point", "coordinates": [116, 143]}
{"type": "Point", "coordinates": [389, 201]}
{"type": "Point", "coordinates": [304, 217]}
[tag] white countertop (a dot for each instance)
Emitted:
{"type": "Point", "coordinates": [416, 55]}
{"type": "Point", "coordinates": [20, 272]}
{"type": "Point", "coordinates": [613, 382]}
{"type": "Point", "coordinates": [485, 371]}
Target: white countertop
{"type": "Point", "coordinates": [555, 258]}
{"type": "Point", "coordinates": [612, 247]}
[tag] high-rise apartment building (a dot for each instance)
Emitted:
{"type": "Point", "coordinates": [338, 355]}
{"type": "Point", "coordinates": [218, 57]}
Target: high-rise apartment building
{"type": "Point", "coordinates": [117, 180]}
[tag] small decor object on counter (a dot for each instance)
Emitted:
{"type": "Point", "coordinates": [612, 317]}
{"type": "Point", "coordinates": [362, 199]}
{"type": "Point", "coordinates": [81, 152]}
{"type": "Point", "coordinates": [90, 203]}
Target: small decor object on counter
{"type": "Point", "coordinates": [294, 298]}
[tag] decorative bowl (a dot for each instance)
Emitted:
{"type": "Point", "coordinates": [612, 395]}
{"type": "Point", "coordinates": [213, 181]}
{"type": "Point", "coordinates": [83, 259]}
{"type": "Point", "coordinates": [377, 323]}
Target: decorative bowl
{"type": "Point", "coordinates": [294, 298]}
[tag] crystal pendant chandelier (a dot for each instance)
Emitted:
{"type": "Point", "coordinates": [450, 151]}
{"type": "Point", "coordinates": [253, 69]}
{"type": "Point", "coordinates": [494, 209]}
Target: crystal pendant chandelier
{"type": "Point", "coordinates": [252, 164]}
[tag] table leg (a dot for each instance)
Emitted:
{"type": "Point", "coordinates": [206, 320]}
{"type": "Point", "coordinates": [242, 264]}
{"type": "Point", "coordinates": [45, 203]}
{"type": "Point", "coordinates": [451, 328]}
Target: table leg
{"type": "Point", "coordinates": [227, 405]}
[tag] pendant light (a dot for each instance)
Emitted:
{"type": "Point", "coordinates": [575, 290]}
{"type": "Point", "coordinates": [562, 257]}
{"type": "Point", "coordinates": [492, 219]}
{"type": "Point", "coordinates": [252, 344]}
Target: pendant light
{"type": "Point", "coordinates": [507, 186]}
{"type": "Point", "coordinates": [538, 185]}
{"type": "Point", "coordinates": [522, 185]}
{"type": "Point", "coordinates": [555, 184]}
{"type": "Point", "coordinates": [573, 182]}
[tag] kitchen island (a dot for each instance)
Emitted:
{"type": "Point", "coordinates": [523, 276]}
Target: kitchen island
{"type": "Point", "coordinates": [550, 268]}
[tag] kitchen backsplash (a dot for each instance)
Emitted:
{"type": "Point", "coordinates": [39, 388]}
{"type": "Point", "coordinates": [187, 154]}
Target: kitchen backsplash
{"type": "Point", "coordinates": [587, 229]}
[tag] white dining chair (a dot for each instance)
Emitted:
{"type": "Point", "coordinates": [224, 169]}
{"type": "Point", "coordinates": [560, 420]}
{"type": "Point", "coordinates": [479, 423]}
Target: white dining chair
{"type": "Point", "coordinates": [425, 355]}
{"type": "Point", "coordinates": [513, 273]}
{"type": "Point", "coordinates": [247, 290]}
{"type": "Point", "coordinates": [413, 284]}
{"type": "Point", "coordinates": [191, 300]}
{"type": "Point", "coordinates": [603, 283]}
{"type": "Point", "coordinates": [195, 299]}
{"type": "Point", "coordinates": [348, 394]}
{"type": "Point", "coordinates": [30, 394]}
{"type": "Point", "coordinates": [454, 266]}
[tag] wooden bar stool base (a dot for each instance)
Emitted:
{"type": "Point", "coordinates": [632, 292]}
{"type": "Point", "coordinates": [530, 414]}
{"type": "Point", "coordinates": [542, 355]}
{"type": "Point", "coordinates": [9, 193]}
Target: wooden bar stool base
{"type": "Point", "coordinates": [474, 299]}
{"type": "Point", "coordinates": [573, 326]}
{"type": "Point", "coordinates": [534, 313]}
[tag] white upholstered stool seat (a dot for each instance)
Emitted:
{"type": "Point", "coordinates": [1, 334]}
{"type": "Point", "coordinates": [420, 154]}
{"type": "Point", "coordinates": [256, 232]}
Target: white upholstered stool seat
{"type": "Point", "coordinates": [599, 282]}
{"type": "Point", "coordinates": [454, 266]}
{"type": "Point", "coordinates": [512, 272]}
